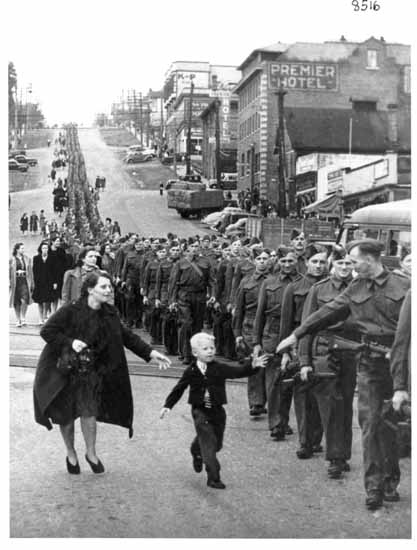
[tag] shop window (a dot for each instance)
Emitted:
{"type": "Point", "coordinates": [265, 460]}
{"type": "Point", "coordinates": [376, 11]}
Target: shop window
{"type": "Point", "coordinates": [372, 59]}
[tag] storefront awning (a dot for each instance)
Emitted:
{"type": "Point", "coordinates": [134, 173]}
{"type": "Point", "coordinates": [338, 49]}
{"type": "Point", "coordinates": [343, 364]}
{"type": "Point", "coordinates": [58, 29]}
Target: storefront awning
{"type": "Point", "coordinates": [329, 206]}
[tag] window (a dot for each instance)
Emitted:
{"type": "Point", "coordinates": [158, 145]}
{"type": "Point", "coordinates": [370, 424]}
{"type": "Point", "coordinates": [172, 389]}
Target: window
{"type": "Point", "coordinates": [372, 57]}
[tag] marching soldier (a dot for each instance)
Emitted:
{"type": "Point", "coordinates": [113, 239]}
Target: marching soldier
{"type": "Point", "coordinates": [222, 317]}
{"type": "Point", "coordinates": [310, 430]}
{"type": "Point", "coordinates": [321, 354]}
{"type": "Point", "coordinates": [237, 271]}
{"type": "Point", "coordinates": [266, 338]}
{"type": "Point", "coordinates": [191, 282]}
{"type": "Point", "coordinates": [299, 243]}
{"type": "Point", "coordinates": [243, 324]}
{"type": "Point", "coordinates": [373, 300]}
{"type": "Point", "coordinates": [152, 311]}
{"type": "Point", "coordinates": [168, 317]}
{"type": "Point", "coordinates": [130, 276]}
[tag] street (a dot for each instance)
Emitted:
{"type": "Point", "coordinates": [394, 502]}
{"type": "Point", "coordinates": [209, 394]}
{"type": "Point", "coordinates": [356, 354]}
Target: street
{"type": "Point", "coordinates": [149, 488]}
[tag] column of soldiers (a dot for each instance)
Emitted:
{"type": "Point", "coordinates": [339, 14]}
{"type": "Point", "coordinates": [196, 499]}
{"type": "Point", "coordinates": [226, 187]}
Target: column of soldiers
{"type": "Point", "coordinates": [334, 331]}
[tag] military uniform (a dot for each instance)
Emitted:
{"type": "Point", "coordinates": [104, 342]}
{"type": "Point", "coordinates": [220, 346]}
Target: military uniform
{"type": "Point", "coordinates": [168, 318]}
{"type": "Point", "coordinates": [374, 306]}
{"type": "Point", "coordinates": [334, 396]}
{"type": "Point", "coordinates": [235, 274]}
{"type": "Point", "coordinates": [131, 274]}
{"type": "Point", "coordinates": [151, 311]}
{"type": "Point", "coordinates": [189, 286]}
{"type": "Point", "coordinates": [266, 334]}
{"type": "Point", "coordinates": [243, 324]}
{"type": "Point", "coordinates": [310, 430]}
{"type": "Point", "coordinates": [222, 318]}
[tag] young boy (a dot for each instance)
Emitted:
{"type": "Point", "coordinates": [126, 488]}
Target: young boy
{"type": "Point", "coordinates": [206, 378]}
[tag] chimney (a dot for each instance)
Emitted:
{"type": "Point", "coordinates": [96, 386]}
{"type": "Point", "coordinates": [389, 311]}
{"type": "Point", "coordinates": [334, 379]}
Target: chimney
{"type": "Point", "coordinates": [382, 39]}
{"type": "Point", "coordinates": [342, 38]}
{"type": "Point", "coordinates": [393, 124]}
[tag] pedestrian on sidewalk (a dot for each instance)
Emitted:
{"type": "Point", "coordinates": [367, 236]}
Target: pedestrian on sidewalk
{"type": "Point", "coordinates": [42, 222]}
{"type": "Point", "coordinates": [33, 223]}
{"type": "Point", "coordinates": [207, 380]}
{"type": "Point", "coordinates": [161, 189]}
{"type": "Point", "coordinates": [45, 279]}
{"type": "Point", "coordinates": [97, 386]}
{"type": "Point", "coordinates": [24, 223]}
{"type": "Point", "coordinates": [21, 283]}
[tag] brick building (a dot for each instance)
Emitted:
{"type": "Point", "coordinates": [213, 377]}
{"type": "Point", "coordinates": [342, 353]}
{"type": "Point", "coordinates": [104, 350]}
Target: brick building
{"type": "Point", "coordinates": [341, 97]}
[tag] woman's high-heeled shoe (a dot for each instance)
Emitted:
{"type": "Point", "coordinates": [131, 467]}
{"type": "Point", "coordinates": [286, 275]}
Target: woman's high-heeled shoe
{"type": "Point", "coordinates": [73, 468]}
{"type": "Point", "coordinates": [97, 468]}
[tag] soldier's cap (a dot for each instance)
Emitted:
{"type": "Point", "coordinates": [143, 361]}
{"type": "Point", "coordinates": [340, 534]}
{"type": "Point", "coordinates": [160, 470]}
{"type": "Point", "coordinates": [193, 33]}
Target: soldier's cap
{"type": "Point", "coordinates": [313, 249]}
{"type": "Point", "coordinates": [283, 251]}
{"type": "Point", "coordinates": [338, 252]}
{"type": "Point", "coordinates": [295, 233]}
{"type": "Point", "coordinates": [258, 250]}
{"type": "Point", "coordinates": [206, 238]}
{"type": "Point", "coordinates": [245, 241]}
{"type": "Point", "coordinates": [367, 246]}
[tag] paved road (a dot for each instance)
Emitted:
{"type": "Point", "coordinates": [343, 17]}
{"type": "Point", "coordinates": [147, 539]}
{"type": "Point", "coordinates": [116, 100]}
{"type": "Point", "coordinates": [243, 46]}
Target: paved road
{"type": "Point", "coordinates": [143, 211]}
{"type": "Point", "coordinates": [150, 489]}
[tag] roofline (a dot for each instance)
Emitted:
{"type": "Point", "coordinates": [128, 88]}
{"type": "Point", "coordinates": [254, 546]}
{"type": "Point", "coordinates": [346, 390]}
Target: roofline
{"type": "Point", "coordinates": [245, 80]}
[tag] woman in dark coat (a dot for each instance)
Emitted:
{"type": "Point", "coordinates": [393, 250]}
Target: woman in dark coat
{"type": "Point", "coordinates": [98, 390]}
{"type": "Point", "coordinates": [24, 223]}
{"type": "Point", "coordinates": [45, 279]}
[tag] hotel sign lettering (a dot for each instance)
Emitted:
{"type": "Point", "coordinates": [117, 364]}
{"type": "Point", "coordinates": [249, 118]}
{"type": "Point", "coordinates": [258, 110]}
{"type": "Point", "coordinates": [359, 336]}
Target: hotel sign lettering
{"type": "Point", "coordinates": [304, 76]}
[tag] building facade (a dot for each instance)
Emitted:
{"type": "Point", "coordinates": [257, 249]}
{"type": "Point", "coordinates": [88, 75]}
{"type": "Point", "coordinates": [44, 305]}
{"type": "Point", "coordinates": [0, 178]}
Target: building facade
{"type": "Point", "coordinates": [187, 93]}
{"type": "Point", "coordinates": [341, 98]}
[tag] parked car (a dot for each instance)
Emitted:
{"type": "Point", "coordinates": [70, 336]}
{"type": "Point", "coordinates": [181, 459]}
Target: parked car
{"type": "Point", "coordinates": [134, 149]}
{"type": "Point", "coordinates": [213, 218]}
{"type": "Point", "coordinates": [170, 159]}
{"type": "Point", "coordinates": [14, 165]}
{"type": "Point", "coordinates": [14, 152]}
{"type": "Point", "coordinates": [134, 158]}
{"type": "Point", "coordinates": [23, 159]}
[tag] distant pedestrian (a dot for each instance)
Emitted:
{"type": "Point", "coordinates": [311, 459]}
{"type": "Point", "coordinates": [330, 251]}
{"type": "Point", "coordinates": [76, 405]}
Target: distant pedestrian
{"type": "Point", "coordinates": [33, 223]}
{"type": "Point", "coordinates": [24, 223]}
{"type": "Point", "coordinates": [161, 189]}
{"type": "Point", "coordinates": [49, 142]}
{"type": "Point", "coordinates": [207, 380]}
{"type": "Point", "coordinates": [53, 173]}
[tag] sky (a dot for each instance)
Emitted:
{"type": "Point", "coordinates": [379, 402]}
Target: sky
{"type": "Point", "coordinates": [79, 55]}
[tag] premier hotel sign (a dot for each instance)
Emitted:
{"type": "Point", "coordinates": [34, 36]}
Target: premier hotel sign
{"type": "Point", "coordinates": [304, 76]}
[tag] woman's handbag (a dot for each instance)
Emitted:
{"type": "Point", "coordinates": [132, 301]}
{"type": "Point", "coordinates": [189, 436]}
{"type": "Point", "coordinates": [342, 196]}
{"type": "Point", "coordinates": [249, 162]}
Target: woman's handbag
{"type": "Point", "coordinates": [67, 361]}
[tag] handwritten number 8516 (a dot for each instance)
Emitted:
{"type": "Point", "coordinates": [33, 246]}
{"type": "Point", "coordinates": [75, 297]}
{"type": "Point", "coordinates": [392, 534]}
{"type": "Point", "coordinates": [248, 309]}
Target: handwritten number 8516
{"type": "Point", "coordinates": [364, 5]}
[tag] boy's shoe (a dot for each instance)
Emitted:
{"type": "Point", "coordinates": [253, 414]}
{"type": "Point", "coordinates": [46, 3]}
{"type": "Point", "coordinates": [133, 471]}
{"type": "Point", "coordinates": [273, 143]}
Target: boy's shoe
{"type": "Point", "coordinates": [335, 469]}
{"type": "Point", "coordinates": [216, 484]}
{"type": "Point", "coordinates": [374, 500]}
{"type": "Point", "coordinates": [197, 463]}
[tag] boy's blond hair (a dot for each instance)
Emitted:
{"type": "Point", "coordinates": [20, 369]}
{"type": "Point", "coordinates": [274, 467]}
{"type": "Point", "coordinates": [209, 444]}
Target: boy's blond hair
{"type": "Point", "coordinates": [197, 339]}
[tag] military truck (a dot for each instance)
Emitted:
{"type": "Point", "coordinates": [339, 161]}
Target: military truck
{"type": "Point", "coordinates": [193, 199]}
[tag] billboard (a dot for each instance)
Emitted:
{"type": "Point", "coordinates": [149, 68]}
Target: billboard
{"type": "Point", "coordinates": [317, 77]}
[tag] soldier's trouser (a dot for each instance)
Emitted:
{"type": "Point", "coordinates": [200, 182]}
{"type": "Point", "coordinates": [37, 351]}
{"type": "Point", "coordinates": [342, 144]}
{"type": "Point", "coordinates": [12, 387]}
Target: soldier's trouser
{"type": "Point", "coordinates": [209, 425]}
{"type": "Point", "coordinates": [169, 330]}
{"type": "Point", "coordinates": [379, 442]}
{"type": "Point", "coordinates": [133, 303]}
{"type": "Point", "coordinates": [191, 308]}
{"type": "Point", "coordinates": [223, 333]}
{"type": "Point", "coordinates": [256, 383]}
{"type": "Point", "coordinates": [335, 402]}
{"type": "Point", "coordinates": [310, 430]}
{"type": "Point", "coordinates": [155, 323]}
{"type": "Point", "coordinates": [279, 396]}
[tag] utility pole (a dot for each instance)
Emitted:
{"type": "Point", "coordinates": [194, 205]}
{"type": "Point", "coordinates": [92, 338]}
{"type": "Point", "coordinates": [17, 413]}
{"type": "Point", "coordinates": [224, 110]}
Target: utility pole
{"type": "Point", "coordinates": [190, 121]}
{"type": "Point", "coordinates": [175, 146]}
{"type": "Point", "coordinates": [141, 118]}
{"type": "Point", "coordinates": [282, 200]}
{"type": "Point", "coordinates": [148, 122]}
{"type": "Point", "coordinates": [217, 137]}
{"type": "Point", "coordinates": [161, 131]}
